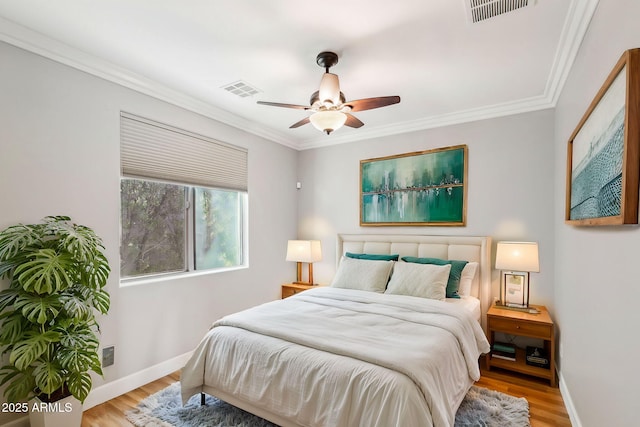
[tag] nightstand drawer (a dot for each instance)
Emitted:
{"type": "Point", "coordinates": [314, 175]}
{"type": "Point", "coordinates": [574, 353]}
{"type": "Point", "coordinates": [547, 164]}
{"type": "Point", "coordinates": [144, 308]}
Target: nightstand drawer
{"type": "Point", "coordinates": [518, 327]}
{"type": "Point", "coordinates": [287, 291]}
{"type": "Point", "coordinates": [290, 289]}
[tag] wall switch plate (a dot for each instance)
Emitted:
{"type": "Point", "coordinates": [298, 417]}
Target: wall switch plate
{"type": "Point", "coordinates": [108, 356]}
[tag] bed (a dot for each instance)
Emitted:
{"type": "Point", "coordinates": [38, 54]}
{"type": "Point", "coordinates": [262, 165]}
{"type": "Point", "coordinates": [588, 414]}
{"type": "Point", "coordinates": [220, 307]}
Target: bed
{"type": "Point", "coordinates": [347, 355]}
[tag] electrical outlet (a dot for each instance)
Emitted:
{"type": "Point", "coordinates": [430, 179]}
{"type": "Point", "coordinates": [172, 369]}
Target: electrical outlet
{"type": "Point", "coordinates": [108, 356]}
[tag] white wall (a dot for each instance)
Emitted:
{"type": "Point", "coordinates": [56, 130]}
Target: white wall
{"type": "Point", "coordinates": [509, 195]}
{"type": "Point", "coordinates": [59, 155]}
{"type": "Point", "coordinates": [596, 284]}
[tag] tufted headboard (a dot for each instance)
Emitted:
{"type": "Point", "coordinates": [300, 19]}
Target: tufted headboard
{"type": "Point", "coordinates": [468, 248]}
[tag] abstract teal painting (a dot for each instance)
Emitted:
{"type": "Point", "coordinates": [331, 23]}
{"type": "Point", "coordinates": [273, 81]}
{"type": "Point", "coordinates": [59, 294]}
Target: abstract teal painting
{"type": "Point", "coordinates": [421, 188]}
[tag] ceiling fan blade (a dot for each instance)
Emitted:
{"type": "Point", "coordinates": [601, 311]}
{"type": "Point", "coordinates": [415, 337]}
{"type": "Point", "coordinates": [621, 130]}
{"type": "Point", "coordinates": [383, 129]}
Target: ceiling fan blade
{"type": "Point", "coordinates": [300, 123]}
{"type": "Point", "coordinates": [278, 104]}
{"type": "Point", "coordinates": [353, 121]}
{"type": "Point", "coordinates": [371, 103]}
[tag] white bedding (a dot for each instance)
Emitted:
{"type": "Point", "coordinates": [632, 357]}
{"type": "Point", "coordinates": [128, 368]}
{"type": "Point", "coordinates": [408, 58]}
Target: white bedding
{"type": "Point", "coordinates": [469, 303]}
{"type": "Point", "coordinates": [338, 357]}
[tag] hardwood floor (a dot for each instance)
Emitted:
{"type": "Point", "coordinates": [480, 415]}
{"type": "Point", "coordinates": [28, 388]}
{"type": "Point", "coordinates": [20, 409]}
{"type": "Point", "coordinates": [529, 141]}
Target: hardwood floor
{"type": "Point", "coordinates": [111, 413]}
{"type": "Point", "coordinates": [545, 403]}
{"type": "Point", "coordinates": [546, 407]}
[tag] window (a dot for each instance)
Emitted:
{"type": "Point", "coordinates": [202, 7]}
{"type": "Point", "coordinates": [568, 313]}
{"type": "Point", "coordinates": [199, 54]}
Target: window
{"type": "Point", "coordinates": [180, 211]}
{"type": "Point", "coordinates": [153, 228]}
{"type": "Point", "coordinates": [218, 231]}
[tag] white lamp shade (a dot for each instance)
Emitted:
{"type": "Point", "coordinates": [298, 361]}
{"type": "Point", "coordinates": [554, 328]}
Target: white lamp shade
{"type": "Point", "coordinates": [517, 256]}
{"type": "Point", "coordinates": [304, 250]}
{"type": "Point", "coordinates": [328, 121]}
{"type": "Point", "coordinates": [329, 89]}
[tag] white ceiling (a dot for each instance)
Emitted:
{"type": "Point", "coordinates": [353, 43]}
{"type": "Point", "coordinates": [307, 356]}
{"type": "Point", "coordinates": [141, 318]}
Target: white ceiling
{"type": "Point", "coordinates": [445, 69]}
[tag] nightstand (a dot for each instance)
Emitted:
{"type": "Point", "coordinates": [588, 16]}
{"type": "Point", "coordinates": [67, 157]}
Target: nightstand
{"type": "Point", "coordinates": [289, 289]}
{"type": "Point", "coordinates": [526, 325]}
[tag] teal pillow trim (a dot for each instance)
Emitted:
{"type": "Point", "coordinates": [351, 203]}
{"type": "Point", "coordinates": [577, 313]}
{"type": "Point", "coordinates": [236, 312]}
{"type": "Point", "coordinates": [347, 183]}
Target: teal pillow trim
{"type": "Point", "coordinates": [454, 275]}
{"type": "Point", "coordinates": [373, 257]}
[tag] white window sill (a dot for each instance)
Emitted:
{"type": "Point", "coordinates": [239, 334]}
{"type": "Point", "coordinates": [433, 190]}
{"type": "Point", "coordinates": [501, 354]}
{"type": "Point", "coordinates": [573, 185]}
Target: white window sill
{"type": "Point", "coordinates": [176, 276]}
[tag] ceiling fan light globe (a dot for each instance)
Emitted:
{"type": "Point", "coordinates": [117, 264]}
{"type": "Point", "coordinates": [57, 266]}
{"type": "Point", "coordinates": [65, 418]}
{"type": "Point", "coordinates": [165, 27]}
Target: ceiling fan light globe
{"type": "Point", "coordinates": [328, 121]}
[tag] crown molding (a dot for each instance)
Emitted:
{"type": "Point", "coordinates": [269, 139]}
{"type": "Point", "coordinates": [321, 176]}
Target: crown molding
{"type": "Point", "coordinates": [574, 29]}
{"type": "Point", "coordinates": [573, 32]}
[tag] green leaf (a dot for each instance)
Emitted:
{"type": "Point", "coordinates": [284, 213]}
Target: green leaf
{"type": "Point", "coordinates": [97, 272]}
{"type": "Point", "coordinates": [55, 218]}
{"type": "Point", "coordinates": [76, 306]}
{"type": "Point", "coordinates": [76, 359]}
{"type": "Point", "coordinates": [17, 238]}
{"type": "Point", "coordinates": [78, 335]}
{"type": "Point", "coordinates": [78, 240]}
{"type": "Point", "coordinates": [8, 298]}
{"type": "Point", "coordinates": [21, 385]}
{"type": "Point", "coordinates": [31, 348]}
{"type": "Point", "coordinates": [101, 301]}
{"type": "Point", "coordinates": [79, 384]}
{"type": "Point", "coordinates": [6, 267]}
{"type": "Point", "coordinates": [38, 309]}
{"type": "Point", "coordinates": [13, 327]}
{"type": "Point", "coordinates": [48, 272]}
{"type": "Point", "coordinates": [49, 377]}
{"type": "Point", "coordinates": [7, 372]}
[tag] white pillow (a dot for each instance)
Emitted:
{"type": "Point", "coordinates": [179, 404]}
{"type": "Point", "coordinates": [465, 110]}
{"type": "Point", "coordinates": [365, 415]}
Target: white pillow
{"type": "Point", "coordinates": [361, 274]}
{"type": "Point", "coordinates": [419, 280]}
{"type": "Point", "coordinates": [466, 278]}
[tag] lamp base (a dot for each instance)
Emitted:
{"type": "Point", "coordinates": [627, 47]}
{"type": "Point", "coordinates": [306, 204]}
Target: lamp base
{"type": "Point", "coordinates": [516, 307]}
{"type": "Point", "coordinates": [299, 275]}
{"type": "Point", "coordinates": [513, 305]}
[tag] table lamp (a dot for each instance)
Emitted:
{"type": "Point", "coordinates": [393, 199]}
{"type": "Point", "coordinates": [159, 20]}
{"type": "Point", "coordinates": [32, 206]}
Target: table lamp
{"type": "Point", "coordinates": [516, 260]}
{"type": "Point", "coordinates": [300, 251]}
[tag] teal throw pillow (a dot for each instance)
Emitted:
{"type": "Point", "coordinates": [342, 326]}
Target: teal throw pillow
{"type": "Point", "coordinates": [373, 257]}
{"type": "Point", "coordinates": [454, 275]}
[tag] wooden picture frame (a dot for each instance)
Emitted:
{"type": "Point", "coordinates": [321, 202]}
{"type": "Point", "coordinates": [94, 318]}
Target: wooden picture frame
{"type": "Point", "coordinates": [603, 153]}
{"type": "Point", "coordinates": [414, 189]}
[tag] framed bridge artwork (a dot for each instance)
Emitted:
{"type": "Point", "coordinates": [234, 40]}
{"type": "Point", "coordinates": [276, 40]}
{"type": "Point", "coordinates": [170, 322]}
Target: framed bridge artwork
{"type": "Point", "coordinates": [420, 188]}
{"type": "Point", "coordinates": [603, 153]}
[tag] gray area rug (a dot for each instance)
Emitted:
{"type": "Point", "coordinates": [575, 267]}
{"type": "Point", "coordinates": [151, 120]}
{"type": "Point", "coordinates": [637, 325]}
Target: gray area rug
{"type": "Point", "coordinates": [480, 408]}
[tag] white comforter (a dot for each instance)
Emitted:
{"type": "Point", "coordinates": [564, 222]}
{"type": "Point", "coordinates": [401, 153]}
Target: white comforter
{"type": "Point", "coordinates": [338, 357]}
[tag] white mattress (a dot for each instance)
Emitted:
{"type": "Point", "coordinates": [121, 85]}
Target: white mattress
{"type": "Point", "coordinates": [469, 303]}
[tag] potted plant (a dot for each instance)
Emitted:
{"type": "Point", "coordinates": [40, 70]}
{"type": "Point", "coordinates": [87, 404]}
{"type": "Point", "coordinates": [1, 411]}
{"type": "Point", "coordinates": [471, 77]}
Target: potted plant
{"type": "Point", "coordinates": [57, 273]}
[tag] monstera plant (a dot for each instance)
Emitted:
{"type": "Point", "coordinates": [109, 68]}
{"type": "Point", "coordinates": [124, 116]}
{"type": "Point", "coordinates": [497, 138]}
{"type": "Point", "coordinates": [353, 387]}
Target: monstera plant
{"type": "Point", "coordinates": [57, 272]}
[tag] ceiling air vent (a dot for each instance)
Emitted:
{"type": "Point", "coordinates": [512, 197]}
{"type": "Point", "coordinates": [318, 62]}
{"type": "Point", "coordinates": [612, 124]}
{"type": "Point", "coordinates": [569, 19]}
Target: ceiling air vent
{"type": "Point", "coordinates": [240, 88]}
{"type": "Point", "coordinates": [481, 10]}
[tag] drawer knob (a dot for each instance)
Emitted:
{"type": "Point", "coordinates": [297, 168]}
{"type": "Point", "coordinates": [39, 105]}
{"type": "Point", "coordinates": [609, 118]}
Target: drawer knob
{"type": "Point", "coordinates": [517, 326]}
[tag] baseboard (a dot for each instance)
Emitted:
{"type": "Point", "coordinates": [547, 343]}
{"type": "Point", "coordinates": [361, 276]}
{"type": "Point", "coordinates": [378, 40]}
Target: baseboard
{"type": "Point", "coordinates": [124, 385]}
{"type": "Point", "coordinates": [568, 403]}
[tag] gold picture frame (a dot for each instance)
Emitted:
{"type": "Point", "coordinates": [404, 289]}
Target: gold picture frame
{"type": "Point", "coordinates": [414, 189]}
{"type": "Point", "coordinates": [603, 153]}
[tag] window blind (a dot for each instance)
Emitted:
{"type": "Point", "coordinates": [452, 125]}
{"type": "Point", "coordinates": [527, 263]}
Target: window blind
{"type": "Point", "coordinates": [149, 149]}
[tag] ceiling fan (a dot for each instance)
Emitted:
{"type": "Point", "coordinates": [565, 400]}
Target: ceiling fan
{"type": "Point", "coordinates": [330, 110]}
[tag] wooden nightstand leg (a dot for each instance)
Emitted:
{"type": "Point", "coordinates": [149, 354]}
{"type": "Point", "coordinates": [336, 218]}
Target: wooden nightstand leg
{"type": "Point", "coordinates": [487, 358]}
